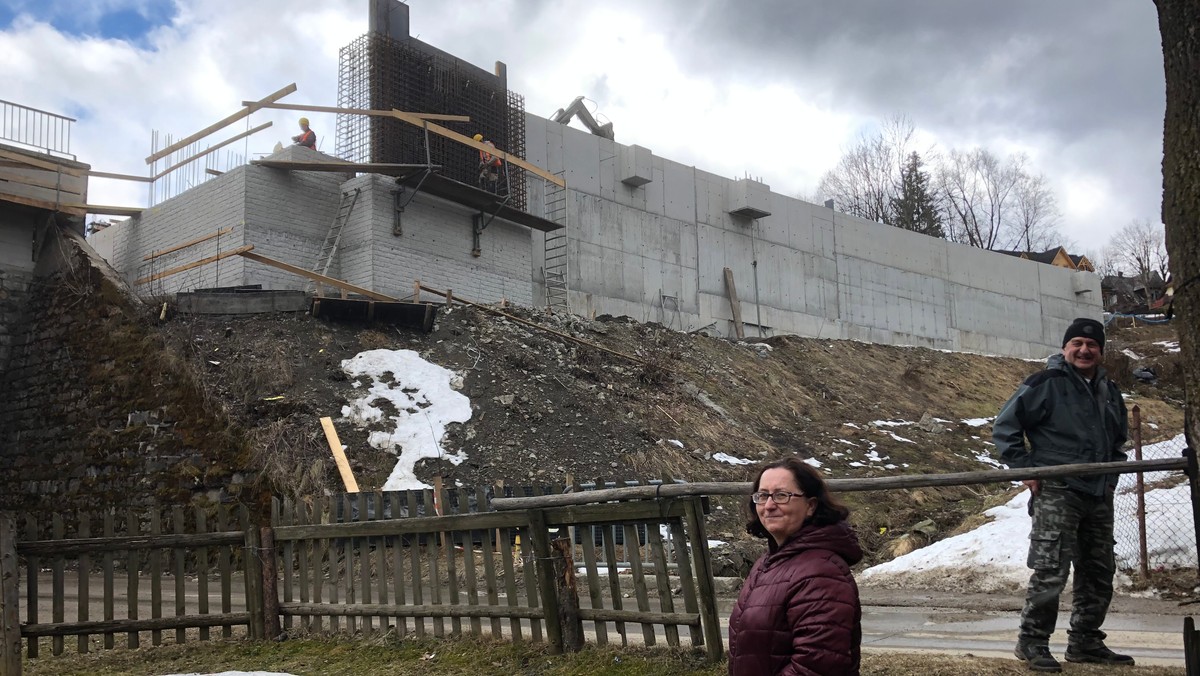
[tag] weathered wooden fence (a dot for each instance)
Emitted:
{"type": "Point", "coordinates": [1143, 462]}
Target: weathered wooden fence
{"type": "Point", "coordinates": [363, 563]}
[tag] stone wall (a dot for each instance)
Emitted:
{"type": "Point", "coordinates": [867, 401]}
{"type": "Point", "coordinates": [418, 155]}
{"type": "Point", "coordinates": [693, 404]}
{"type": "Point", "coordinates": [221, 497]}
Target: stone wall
{"type": "Point", "coordinates": [106, 415]}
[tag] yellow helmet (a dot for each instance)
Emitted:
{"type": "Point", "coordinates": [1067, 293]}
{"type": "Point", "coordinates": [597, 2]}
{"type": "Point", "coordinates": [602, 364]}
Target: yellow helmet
{"type": "Point", "coordinates": [304, 121]}
{"type": "Point", "coordinates": [478, 137]}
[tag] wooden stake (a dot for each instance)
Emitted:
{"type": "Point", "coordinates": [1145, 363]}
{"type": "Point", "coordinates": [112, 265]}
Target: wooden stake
{"type": "Point", "coordinates": [734, 305]}
{"type": "Point", "coordinates": [339, 455]}
{"type": "Point", "coordinates": [417, 291]}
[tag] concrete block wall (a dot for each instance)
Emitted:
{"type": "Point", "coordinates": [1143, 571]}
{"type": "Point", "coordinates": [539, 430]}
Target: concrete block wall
{"type": "Point", "coordinates": [659, 251]}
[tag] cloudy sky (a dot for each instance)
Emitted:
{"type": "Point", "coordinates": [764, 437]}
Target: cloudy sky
{"type": "Point", "coordinates": [770, 88]}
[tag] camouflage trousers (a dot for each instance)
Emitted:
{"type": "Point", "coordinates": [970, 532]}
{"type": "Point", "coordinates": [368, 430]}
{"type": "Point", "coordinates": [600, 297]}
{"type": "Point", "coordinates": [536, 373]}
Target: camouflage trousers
{"type": "Point", "coordinates": [1069, 527]}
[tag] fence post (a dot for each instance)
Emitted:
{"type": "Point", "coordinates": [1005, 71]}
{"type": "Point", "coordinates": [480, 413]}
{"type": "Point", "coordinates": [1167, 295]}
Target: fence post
{"type": "Point", "coordinates": [1194, 481]}
{"type": "Point", "coordinates": [1143, 556]}
{"type": "Point", "coordinates": [270, 582]}
{"type": "Point", "coordinates": [706, 589]}
{"type": "Point", "coordinates": [567, 594]}
{"type": "Point", "coordinates": [539, 538]}
{"type": "Point", "coordinates": [10, 615]}
{"type": "Point", "coordinates": [252, 572]}
{"type": "Point", "coordinates": [1191, 647]}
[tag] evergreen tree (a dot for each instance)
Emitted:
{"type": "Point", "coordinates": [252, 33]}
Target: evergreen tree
{"type": "Point", "coordinates": [914, 206]}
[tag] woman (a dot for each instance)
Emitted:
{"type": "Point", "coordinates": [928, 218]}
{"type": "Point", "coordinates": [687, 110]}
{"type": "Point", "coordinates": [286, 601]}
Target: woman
{"type": "Point", "coordinates": [798, 612]}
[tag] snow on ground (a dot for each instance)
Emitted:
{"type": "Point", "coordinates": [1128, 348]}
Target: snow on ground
{"type": "Point", "coordinates": [240, 673]}
{"type": "Point", "coordinates": [1168, 345]}
{"type": "Point", "coordinates": [977, 422]}
{"type": "Point", "coordinates": [424, 402]}
{"type": "Point", "coordinates": [1131, 354]}
{"type": "Point", "coordinates": [723, 457]}
{"type": "Point", "coordinates": [991, 558]}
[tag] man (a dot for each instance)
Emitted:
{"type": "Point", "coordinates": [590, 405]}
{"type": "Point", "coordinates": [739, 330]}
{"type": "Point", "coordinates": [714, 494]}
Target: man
{"type": "Point", "coordinates": [306, 137]}
{"type": "Point", "coordinates": [1070, 413]}
{"type": "Point", "coordinates": [489, 167]}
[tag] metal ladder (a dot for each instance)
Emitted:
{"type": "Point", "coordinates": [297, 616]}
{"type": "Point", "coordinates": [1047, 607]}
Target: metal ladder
{"type": "Point", "coordinates": [334, 236]}
{"type": "Point", "coordinates": [554, 270]}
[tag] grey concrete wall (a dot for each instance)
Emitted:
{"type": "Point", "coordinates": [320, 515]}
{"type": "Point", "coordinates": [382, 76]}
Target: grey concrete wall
{"type": "Point", "coordinates": [658, 252]}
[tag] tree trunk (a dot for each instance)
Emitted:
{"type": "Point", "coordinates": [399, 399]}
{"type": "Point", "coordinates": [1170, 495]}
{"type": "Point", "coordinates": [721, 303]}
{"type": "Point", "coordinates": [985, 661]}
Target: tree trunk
{"type": "Point", "coordinates": [1179, 24]}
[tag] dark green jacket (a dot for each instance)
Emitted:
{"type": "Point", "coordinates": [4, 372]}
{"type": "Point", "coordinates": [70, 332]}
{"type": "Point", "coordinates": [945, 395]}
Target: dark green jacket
{"type": "Point", "coordinates": [1066, 422]}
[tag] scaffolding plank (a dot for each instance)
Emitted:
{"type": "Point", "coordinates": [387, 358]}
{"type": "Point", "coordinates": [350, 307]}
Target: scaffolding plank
{"type": "Point", "coordinates": [215, 148]}
{"type": "Point", "coordinates": [204, 238]}
{"type": "Point", "coordinates": [244, 112]}
{"type": "Point", "coordinates": [363, 167]}
{"type": "Point", "coordinates": [329, 281]}
{"type": "Point", "coordinates": [195, 264]}
{"type": "Point", "coordinates": [358, 111]}
{"type": "Point", "coordinates": [482, 200]}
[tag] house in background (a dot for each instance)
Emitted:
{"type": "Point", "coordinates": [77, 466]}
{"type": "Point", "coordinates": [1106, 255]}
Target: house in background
{"type": "Point", "coordinates": [1132, 295]}
{"type": "Point", "coordinates": [1057, 256]}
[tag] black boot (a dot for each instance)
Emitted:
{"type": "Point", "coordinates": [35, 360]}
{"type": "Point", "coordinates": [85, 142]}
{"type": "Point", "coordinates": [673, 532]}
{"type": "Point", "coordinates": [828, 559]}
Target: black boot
{"type": "Point", "coordinates": [1038, 657]}
{"type": "Point", "coordinates": [1097, 654]}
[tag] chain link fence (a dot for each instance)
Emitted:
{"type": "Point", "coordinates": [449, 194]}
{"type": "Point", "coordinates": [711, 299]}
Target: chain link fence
{"type": "Point", "coordinates": [1154, 529]}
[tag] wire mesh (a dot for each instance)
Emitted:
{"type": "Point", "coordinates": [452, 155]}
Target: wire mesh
{"type": "Point", "coordinates": [382, 73]}
{"type": "Point", "coordinates": [1170, 534]}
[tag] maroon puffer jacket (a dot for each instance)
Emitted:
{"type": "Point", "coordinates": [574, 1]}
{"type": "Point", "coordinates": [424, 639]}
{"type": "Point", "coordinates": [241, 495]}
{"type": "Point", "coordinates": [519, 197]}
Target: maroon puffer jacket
{"type": "Point", "coordinates": [798, 612]}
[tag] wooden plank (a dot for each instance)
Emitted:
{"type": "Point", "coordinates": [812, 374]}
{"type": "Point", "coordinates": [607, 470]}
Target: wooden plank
{"type": "Point", "coordinates": [364, 563]}
{"type": "Point", "coordinates": [10, 597]}
{"type": "Point", "coordinates": [489, 564]}
{"type": "Point", "coordinates": [397, 545]}
{"type": "Point", "coordinates": [634, 552]}
{"type": "Point", "coordinates": [440, 611]}
{"type": "Point", "coordinates": [109, 580]}
{"type": "Point", "coordinates": [105, 210]}
{"type": "Point", "coordinates": [340, 167]}
{"type": "Point", "coordinates": [155, 556]}
{"type": "Point", "coordinates": [203, 238]}
{"type": "Point", "coordinates": [40, 163]}
{"type": "Point", "coordinates": [202, 571]}
{"type": "Point", "coordinates": [180, 554]}
{"type": "Point", "coordinates": [252, 579]}
{"type": "Point", "coordinates": [300, 514]}
{"type": "Point", "coordinates": [244, 112]}
{"type": "Point", "coordinates": [68, 194]}
{"type": "Point", "coordinates": [698, 543]}
{"type": "Point", "coordinates": [668, 619]}
{"type": "Point", "coordinates": [510, 580]}
{"type": "Point", "coordinates": [659, 559]}
{"type": "Point", "coordinates": [545, 580]}
{"type": "Point", "coordinates": [415, 567]}
{"type": "Point", "coordinates": [288, 553]}
{"type": "Point", "coordinates": [351, 583]}
{"type": "Point", "coordinates": [119, 177]}
{"type": "Point", "coordinates": [470, 572]}
{"type": "Point", "coordinates": [478, 145]}
{"type": "Point", "coordinates": [32, 568]}
{"type": "Point", "coordinates": [735, 305]}
{"type": "Point", "coordinates": [58, 584]}
{"type": "Point", "coordinates": [133, 626]}
{"type": "Point", "coordinates": [211, 149]}
{"type": "Point", "coordinates": [334, 550]}
{"type": "Point", "coordinates": [381, 561]}
{"type": "Point", "coordinates": [84, 573]}
{"type": "Point", "coordinates": [433, 550]}
{"type": "Point", "coordinates": [686, 581]}
{"type": "Point", "coordinates": [593, 580]}
{"type": "Point", "coordinates": [431, 525]}
{"type": "Point", "coordinates": [195, 264]}
{"type": "Point", "coordinates": [451, 560]}
{"type": "Point", "coordinates": [132, 573]}
{"type": "Point", "coordinates": [122, 543]}
{"type": "Point", "coordinates": [339, 455]}
{"type": "Point", "coordinates": [76, 210]}
{"type": "Point", "coordinates": [269, 567]}
{"type": "Point", "coordinates": [330, 281]}
{"type": "Point", "coordinates": [223, 564]}
{"type": "Point", "coordinates": [309, 108]}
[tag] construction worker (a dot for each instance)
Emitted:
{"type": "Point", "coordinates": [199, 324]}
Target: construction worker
{"type": "Point", "coordinates": [489, 167]}
{"type": "Point", "coordinates": [306, 137]}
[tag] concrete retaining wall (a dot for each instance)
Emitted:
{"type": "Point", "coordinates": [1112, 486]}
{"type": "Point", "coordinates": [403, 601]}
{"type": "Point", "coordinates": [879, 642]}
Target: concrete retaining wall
{"type": "Point", "coordinates": [657, 251]}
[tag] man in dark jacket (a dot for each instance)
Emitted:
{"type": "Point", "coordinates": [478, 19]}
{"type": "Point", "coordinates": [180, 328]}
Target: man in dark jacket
{"type": "Point", "coordinates": [1070, 413]}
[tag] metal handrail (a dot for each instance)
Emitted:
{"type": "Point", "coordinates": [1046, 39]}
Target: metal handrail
{"type": "Point", "coordinates": [35, 128]}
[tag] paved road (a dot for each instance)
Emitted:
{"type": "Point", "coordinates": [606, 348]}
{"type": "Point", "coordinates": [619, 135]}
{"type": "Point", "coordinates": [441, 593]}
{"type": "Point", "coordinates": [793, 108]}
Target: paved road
{"type": "Point", "coordinates": [983, 625]}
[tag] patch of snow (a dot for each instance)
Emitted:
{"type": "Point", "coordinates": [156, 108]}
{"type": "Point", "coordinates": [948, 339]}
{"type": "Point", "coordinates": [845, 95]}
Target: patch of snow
{"type": "Point", "coordinates": [424, 401]}
{"type": "Point", "coordinates": [812, 462]}
{"type": "Point", "coordinates": [1131, 354]}
{"type": "Point", "coordinates": [987, 460]}
{"type": "Point", "coordinates": [1168, 345]}
{"type": "Point", "coordinates": [889, 466]}
{"type": "Point", "coordinates": [675, 442]}
{"type": "Point", "coordinates": [239, 673]}
{"type": "Point", "coordinates": [850, 424]}
{"type": "Point", "coordinates": [716, 543]}
{"type": "Point", "coordinates": [977, 422]}
{"type": "Point", "coordinates": [848, 443]}
{"type": "Point", "coordinates": [857, 464]}
{"type": "Point", "coordinates": [890, 423]}
{"type": "Point", "coordinates": [835, 454]}
{"type": "Point", "coordinates": [1151, 425]}
{"type": "Point", "coordinates": [722, 457]}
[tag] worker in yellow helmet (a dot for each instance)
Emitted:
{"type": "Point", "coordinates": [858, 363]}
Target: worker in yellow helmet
{"type": "Point", "coordinates": [307, 137]}
{"type": "Point", "coordinates": [489, 167]}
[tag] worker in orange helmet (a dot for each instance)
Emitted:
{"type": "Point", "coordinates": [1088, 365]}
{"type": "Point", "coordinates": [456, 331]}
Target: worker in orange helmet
{"type": "Point", "coordinates": [489, 167]}
{"type": "Point", "coordinates": [307, 137]}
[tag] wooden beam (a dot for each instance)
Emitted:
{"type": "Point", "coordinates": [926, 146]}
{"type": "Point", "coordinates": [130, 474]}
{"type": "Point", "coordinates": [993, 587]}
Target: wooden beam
{"type": "Point", "coordinates": [330, 281]}
{"type": "Point", "coordinates": [195, 264]}
{"type": "Point", "coordinates": [339, 455]}
{"type": "Point", "coordinates": [10, 597]}
{"type": "Point", "coordinates": [220, 145]}
{"type": "Point", "coordinates": [223, 123]}
{"type": "Point", "coordinates": [69, 209]}
{"type": "Point", "coordinates": [41, 181]}
{"type": "Point", "coordinates": [105, 210]}
{"type": "Point", "coordinates": [119, 177]}
{"type": "Point", "coordinates": [349, 167]}
{"type": "Point", "coordinates": [359, 111]}
{"type": "Point", "coordinates": [735, 305]}
{"type": "Point", "coordinates": [40, 163]}
{"type": "Point", "coordinates": [190, 242]}
{"type": "Point", "coordinates": [478, 145]}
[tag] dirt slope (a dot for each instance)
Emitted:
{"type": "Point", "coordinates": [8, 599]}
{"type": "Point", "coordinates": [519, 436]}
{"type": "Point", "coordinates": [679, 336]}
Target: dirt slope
{"type": "Point", "coordinates": [544, 408]}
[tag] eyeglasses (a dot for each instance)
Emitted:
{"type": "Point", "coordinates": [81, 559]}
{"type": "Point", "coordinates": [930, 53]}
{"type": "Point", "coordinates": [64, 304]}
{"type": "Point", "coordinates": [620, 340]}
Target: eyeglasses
{"type": "Point", "coordinates": [780, 497]}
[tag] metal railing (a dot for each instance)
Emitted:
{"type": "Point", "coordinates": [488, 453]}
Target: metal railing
{"type": "Point", "coordinates": [36, 129]}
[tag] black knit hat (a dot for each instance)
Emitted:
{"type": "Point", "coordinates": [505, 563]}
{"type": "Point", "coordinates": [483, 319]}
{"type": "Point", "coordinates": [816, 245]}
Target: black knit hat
{"type": "Point", "coordinates": [1085, 328]}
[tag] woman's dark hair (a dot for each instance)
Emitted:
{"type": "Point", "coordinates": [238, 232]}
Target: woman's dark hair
{"type": "Point", "coordinates": [828, 510]}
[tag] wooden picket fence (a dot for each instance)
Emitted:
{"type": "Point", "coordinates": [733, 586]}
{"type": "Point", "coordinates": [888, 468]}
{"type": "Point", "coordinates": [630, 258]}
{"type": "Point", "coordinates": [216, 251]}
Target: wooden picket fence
{"type": "Point", "coordinates": [362, 563]}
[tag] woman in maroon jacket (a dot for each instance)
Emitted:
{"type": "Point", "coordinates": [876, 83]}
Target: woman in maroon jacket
{"type": "Point", "coordinates": [798, 612]}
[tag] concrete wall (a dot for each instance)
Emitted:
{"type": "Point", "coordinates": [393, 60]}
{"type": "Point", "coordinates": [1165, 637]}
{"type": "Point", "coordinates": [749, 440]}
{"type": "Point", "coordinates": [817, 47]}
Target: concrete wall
{"type": "Point", "coordinates": [658, 252]}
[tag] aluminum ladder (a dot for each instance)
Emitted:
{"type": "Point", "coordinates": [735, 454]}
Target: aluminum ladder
{"type": "Point", "coordinates": [554, 266]}
{"type": "Point", "coordinates": [334, 236]}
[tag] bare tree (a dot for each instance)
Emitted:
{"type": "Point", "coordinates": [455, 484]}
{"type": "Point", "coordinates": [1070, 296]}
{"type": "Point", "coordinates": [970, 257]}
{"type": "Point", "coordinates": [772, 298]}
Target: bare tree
{"type": "Point", "coordinates": [867, 178]}
{"type": "Point", "coordinates": [1140, 249]}
{"type": "Point", "coordinates": [1179, 25]}
{"type": "Point", "coordinates": [994, 204]}
{"type": "Point", "coordinates": [1101, 263]}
